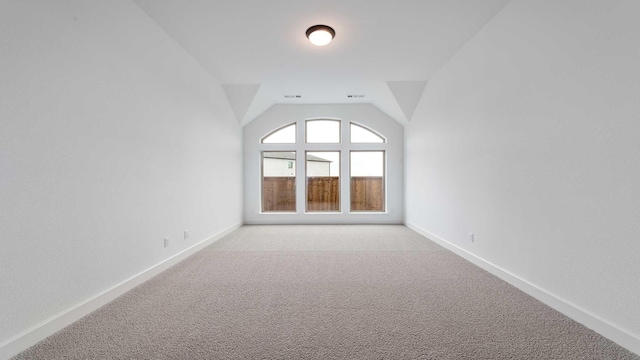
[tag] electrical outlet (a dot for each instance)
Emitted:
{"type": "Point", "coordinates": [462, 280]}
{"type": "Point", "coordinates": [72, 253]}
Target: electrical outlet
{"type": "Point", "coordinates": [472, 238]}
{"type": "Point", "coordinates": [186, 234]}
{"type": "Point", "coordinates": [166, 242]}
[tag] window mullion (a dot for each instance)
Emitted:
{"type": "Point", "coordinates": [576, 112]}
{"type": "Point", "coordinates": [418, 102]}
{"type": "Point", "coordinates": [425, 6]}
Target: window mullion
{"type": "Point", "coordinates": [344, 167]}
{"type": "Point", "coordinates": [301, 180]}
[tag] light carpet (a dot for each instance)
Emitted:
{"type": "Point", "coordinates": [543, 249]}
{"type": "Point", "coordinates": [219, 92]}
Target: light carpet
{"type": "Point", "coordinates": [325, 292]}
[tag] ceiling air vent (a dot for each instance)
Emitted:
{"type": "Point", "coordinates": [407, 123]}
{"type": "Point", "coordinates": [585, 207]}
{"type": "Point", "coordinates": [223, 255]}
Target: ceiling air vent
{"type": "Point", "coordinates": [355, 96]}
{"type": "Point", "coordinates": [292, 96]}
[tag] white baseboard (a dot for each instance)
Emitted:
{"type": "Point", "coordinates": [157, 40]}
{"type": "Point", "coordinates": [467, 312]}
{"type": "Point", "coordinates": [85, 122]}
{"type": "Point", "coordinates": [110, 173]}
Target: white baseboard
{"type": "Point", "coordinates": [39, 332]}
{"type": "Point", "coordinates": [606, 328]}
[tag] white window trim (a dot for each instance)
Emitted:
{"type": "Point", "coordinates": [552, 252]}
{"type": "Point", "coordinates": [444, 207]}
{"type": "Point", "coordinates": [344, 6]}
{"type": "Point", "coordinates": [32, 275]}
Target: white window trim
{"type": "Point", "coordinates": [344, 147]}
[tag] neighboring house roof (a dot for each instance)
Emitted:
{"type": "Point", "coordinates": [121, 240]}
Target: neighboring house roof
{"type": "Point", "coordinates": [290, 156]}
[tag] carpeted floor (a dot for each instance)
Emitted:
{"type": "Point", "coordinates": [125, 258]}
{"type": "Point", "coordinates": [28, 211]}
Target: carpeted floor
{"type": "Point", "coordinates": [325, 292]}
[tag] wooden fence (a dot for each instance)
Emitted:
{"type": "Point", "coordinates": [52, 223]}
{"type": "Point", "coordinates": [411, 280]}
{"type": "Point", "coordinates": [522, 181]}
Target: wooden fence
{"type": "Point", "coordinates": [279, 194]}
{"type": "Point", "coordinates": [367, 193]}
{"type": "Point", "coordinates": [323, 194]}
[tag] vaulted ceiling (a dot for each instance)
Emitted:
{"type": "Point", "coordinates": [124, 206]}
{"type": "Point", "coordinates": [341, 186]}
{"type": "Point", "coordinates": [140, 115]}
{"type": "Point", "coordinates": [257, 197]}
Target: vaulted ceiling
{"type": "Point", "coordinates": [384, 50]}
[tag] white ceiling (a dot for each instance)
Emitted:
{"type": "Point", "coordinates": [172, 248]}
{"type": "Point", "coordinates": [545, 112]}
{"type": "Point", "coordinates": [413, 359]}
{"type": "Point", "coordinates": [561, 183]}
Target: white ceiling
{"type": "Point", "coordinates": [258, 48]}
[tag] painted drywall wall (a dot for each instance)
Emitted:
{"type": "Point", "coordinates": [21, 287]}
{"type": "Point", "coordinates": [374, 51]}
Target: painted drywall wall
{"type": "Point", "coordinates": [364, 114]}
{"type": "Point", "coordinates": [110, 137]}
{"type": "Point", "coordinates": [530, 139]}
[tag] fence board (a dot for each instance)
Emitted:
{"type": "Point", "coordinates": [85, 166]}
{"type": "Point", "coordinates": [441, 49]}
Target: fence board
{"type": "Point", "coordinates": [367, 193]}
{"type": "Point", "coordinates": [279, 194]}
{"type": "Point", "coordinates": [323, 193]}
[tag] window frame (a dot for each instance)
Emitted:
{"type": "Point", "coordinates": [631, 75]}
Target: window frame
{"type": "Point", "coordinates": [344, 147]}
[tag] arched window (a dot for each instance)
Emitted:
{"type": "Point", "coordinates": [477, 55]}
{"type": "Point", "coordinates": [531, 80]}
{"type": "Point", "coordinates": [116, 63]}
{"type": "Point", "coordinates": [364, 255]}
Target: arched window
{"type": "Point", "coordinates": [283, 135]}
{"type": "Point", "coordinates": [322, 152]}
{"type": "Point", "coordinates": [361, 134]}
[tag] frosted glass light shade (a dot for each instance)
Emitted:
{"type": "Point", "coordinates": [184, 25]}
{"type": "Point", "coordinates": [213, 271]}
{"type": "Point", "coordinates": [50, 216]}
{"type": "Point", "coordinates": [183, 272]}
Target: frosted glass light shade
{"type": "Point", "coordinates": [320, 35]}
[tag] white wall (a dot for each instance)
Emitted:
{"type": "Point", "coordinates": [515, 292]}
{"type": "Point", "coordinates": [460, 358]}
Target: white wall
{"type": "Point", "coordinates": [110, 135]}
{"type": "Point", "coordinates": [365, 114]}
{"type": "Point", "coordinates": [530, 138]}
{"type": "Point", "coordinates": [316, 168]}
{"type": "Point", "coordinates": [278, 167]}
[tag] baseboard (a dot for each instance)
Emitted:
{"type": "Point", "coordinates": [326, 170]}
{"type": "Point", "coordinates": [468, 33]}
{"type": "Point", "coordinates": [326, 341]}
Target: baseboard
{"type": "Point", "coordinates": [39, 332]}
{"type": "Point", "coordinates": [606, 328]}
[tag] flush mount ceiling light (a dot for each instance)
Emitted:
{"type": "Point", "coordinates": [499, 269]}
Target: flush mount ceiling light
{"type": "Point", "coordinates": [320, 35]}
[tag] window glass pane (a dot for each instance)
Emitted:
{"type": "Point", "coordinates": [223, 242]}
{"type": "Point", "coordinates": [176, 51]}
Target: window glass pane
{"type": "Point", "coordinates": [367, 181]}
{"type": "Point", "coordinates": [278, 181]}
{"type": "Point", "coordinates": [361, 135]}
{"type": "Point", "coordinates": [323, 181]}
{"type": "Point", "coordinates": [323, 131]}
{"type": "Point", "coordinates": [284, 135]}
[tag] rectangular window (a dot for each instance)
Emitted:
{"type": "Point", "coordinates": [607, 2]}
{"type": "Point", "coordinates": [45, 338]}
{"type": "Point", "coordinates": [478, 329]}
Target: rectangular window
{"type": "Point", "coordinates": [323, 181]}
{"type": "Point", "coordinates": [323, 131]}
{"type": "Point", "coordinates": [367, 181]}
{"type": "Point", "coordinates": [278, 181]}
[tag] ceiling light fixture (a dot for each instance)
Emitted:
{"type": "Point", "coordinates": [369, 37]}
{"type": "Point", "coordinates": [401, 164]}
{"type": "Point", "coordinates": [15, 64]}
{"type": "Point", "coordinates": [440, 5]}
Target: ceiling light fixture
{"type": "Point", "coordinates": [320, 35]}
